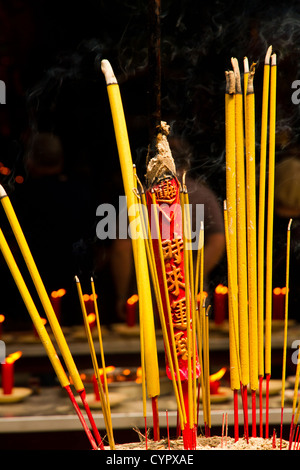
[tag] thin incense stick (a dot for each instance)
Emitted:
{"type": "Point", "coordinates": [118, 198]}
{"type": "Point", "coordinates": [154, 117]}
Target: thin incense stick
{"type": "Point", "coordinates": [241, 229]}
{"type": "Point", "coordinates": [235, 374]}
{"type": "Point", "coordinates": [288, 243]}
{"type": "Point", "coordinates": [95, 362]}
{"type": "Point", "coordinates": [42, 332]}
{"type": "Point", "coordinates": [142, 327]}
{"type": "Point", "coordinates": [101, 350]}
{"type": "Point", "coordinates": [189, 296]}
{"type": "Point", "coordinates": [252, 241]}
{"type": "Point", "coordinates": [269, 240]}
{"type": "Point", "coordinates": [165, 287]}
{"type": "Point", "coordinates": [155, 281]}
{"type": "Point", "coordinates": [261, 213]}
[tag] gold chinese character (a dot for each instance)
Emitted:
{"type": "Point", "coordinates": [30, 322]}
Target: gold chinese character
{"type": "Point", "coordinates": [166, 192]}
{"type": "Point", "coordinates": [172, 249]}
{"type": "Point", "coordinates": [179, 314]}
{"type": "Point", "coordinates": [181, 345]}
{"type": "Point", "coordinates": [174, 280]}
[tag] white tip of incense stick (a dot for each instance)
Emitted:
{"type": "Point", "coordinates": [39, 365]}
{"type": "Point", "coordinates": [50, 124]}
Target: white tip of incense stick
{"type": "Point", "coordinates": [225, 205]}
{"type": "Point", "coordinates": [290, 223]}
{"type": "Point", "coordinates": [201, 225]}
{"type": "Point", "coordinates": [2, 192]}
{"type": "Point", "coordinates": [268, 55]}
{"type": "Point", "coordinates": [92, 280]}
{"type": "Point", "coordinates": [246, 65]}
{"type": "Point", "coordinates": [108, 72]}
{"type": "Point", "coordinates": [273, 59]}
{"type": "Point", "coordinates": [76, 278]}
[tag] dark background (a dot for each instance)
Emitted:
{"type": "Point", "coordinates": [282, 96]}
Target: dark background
{"type": "Point", "coordinates": [50, 53]}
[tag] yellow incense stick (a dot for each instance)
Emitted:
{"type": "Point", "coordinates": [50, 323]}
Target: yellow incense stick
{"type": "Point", "coordinates": [154, 277]}
{"type": "Point", "coordinates": [169, 314]}
{"type": "Point", "coordinates": [241, 228]}
{"type": "Point", "coordinates": [270, 216]}
{"type": "Point", "coordinates": [287, 277]}
{"type": "Point", "coordinates": [141, 268]}
{"type": "Point", "coordinates": [188, 310]}
{"type": "Point", "coordinates": [235, 376]}
{"type": "Point", "coordinates": [296, 386]}
{"type": "Point", "coordinates": [193, 297]}
{"type": "Point", "coordinates": [251, 228]}
{"type": "Point", "coordinates": [231, 219]}
{"type": "Point", "coordinates": [36, 319]}
{"type": "Point", "coordinates": [261, 214]}
{"type": "Point", "coordinates": [95, 364]}
{"type": "Point", "coordinates": [55, 326]}
{"type": "Point", "coordinates": [102, 355]}
{"type": "Point", "coordinates": [141, 309]}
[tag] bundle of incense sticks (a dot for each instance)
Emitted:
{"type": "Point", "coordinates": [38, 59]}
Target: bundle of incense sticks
{"type": "Point", "coordinates": [249, 269]}
{"type": "Point", "coordinates": [160, 220]}
{"type": "Point", "coordinates": [165, 237]}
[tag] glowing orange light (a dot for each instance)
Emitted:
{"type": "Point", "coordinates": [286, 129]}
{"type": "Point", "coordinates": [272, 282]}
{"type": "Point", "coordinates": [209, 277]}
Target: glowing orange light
{"type": "Point", "coordinates": [91, 318]}
{"type": "Point", "coordinates": [205, 294]}
{"type": "Point", "coordinates": [2, 318]}
{"type": "Point", "coordinates": [277, 291]}
{"type": "Point", "coordinates": [133, 299]}
{"type": "Point", "coordinates": [91, 297]}
{"type": "Point", "coordinates": [108, 370]}
{"type": "Point", "coordinates": [218, 375]}
{"type": "Point", "coordinates": [86, 297]}
{"type": "Point", "coordinates": [4, 170]}
{"type": "Point", "coordinates": [126, 372]}
{"type": "Point", "coordinates": [61, 292]}
{"type": "Point", "coordinates": [13, 357]}
{"type": "Point", "coordinates": [220, 289]}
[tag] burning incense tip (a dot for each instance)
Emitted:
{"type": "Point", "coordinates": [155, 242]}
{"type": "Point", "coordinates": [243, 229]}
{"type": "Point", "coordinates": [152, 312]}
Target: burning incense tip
{"type": "Point", "coordinates": [290, 223]}
{"type": "Point", "coordinates": [76, 278]}
{"type": "Point", "coordinates": [108, 72]}
{"type": "Point", "coordinates": [268, 55]}
{"type": "Point", "coordinates": [230, 82]}
{"type": "Point", "coordinates": [2, 192]}
{"type": "Point", "coordinates": [236, 69]}
{"type": "Point", "coordinates": [246, 65]}
{"type": "Point", "coordinates": [273, 59]}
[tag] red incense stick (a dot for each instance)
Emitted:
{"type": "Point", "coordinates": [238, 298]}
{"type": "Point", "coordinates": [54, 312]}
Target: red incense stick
{"type": "Point", "coordinates": [82, 394]}
{"type": "Point", "coordinates": [268, 377]}
{"type": "Point", "coordinates": [236, 415]}
{"type": "Point", "coordinates": [155, 419]}
{"type": "Point", "coordinates": [81, 418]}
{"type": "Point", "coordinates": [253, 395]}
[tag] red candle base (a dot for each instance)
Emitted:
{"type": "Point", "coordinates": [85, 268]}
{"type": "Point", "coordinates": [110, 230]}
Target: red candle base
{"type": "Point", "coordinates": [7, 374]}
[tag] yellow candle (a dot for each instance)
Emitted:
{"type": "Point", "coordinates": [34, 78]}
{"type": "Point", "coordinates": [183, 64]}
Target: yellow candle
{"type": "Point", "coordinates": [270, 215]}
{"type": "Point", "coordinates": [261, 214]}
{"type": "Point", "coordinates": [241, 229]}
{"type": "Point", "coordinates": [251, 229]}
{"type": "Point", "coordinates": [141, 267]}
